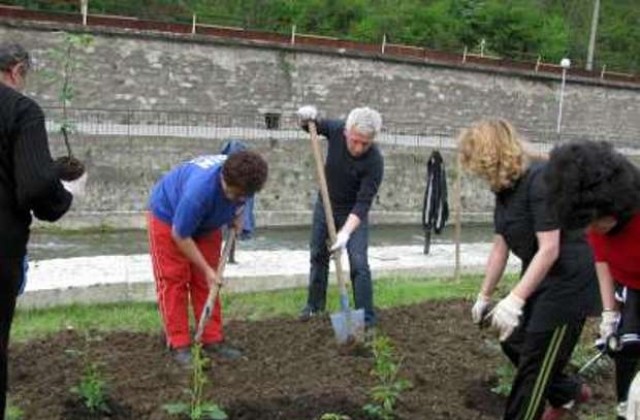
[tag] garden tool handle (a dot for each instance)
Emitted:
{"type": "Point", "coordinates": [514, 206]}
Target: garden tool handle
{"type": "Point", "coordinates": [207, 310]}
{"type": "Point", "coordinates": [328, 213]}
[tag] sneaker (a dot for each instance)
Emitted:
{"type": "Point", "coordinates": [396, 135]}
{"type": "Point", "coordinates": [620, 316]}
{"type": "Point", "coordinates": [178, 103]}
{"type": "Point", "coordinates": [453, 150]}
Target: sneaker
{"type": "Point", "coordinates": [621, 410]}
{"type": "Point", "coordinates": [557, 413]}
{"type": "Point", "coordinates": [182, 356]}
{"type": "Point", "coordinates": [222, 350]}
{"type": "Point", "coordinates": [308, 312]}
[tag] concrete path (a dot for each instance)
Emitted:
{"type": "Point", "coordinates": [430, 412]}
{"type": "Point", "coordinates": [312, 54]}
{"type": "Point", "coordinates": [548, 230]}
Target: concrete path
{"type": "Point", "coordinates": [128, 277]}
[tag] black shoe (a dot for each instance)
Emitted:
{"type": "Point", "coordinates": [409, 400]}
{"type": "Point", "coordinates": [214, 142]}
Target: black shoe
{"type": "Point", "coordinates": [308, 312]}
{"type": "Point", "coordinates": [182, 356]}
{"type": "Point", "coordinates": [222, 350]}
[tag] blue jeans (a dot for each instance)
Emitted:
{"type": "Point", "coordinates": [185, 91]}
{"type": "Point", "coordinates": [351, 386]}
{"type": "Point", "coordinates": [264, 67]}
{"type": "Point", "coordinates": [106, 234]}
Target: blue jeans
{"type": "Point", "coordinates": [358, 260]}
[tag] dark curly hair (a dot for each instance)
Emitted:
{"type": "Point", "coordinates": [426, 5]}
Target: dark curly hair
{"type": "Point", "coordinates": [587, 180]}
{"type": "Point", "coordinates": [246, 170]}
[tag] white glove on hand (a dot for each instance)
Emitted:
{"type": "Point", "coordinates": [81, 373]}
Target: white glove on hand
{"type": "Point", "coordinates": [506, 315]}
{"type": "Point", "coordinates": [76, 187]}
{"type": "Point", "coordinates": [480, 308]}
{"type": "Point", "coordinates": [341, 241]}
{"type": "Point", "coordinates": [609, 323]}
{"type": "Point", "coordinates": [307, 112]}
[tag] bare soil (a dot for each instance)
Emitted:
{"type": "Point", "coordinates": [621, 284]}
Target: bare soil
{"type": "Point", "coordinates": [290, 370]}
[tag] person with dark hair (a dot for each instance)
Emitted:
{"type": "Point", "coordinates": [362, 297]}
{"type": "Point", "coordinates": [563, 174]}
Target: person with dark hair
{"type": "Point", "coordinates": [29, 184]}
{"type": "Point", "coordinates": [187, 209]}
{"type": "Point", "coordinates": [541, 319]}
{"type": "Point", "coordinates": [592, 185]}
{"type": "Point", "coordinates": [354, 169]}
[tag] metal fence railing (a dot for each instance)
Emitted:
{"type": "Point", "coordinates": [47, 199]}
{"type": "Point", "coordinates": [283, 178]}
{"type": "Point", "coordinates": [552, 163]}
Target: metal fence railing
{"type": "Point", "coordinates": [203, 125]}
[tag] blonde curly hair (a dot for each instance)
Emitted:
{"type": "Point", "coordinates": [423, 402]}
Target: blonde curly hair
{"type": "Point", "coordinates": [492, 149]}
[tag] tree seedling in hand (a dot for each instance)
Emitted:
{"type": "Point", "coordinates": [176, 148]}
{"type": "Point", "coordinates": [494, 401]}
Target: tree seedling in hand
{"type": "Point", "coordinates": [70, 168]}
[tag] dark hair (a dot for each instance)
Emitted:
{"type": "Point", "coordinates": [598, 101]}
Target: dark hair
{"type": "Point", "coordinates": [587, 180]}
{"type": "Point", "coordinates": [246, 170]}
{"type": "Point", "coordinates": [12, 54]}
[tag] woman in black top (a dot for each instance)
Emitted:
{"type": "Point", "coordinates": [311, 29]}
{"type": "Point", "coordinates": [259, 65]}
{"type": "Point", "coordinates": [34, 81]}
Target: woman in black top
{"type": "Point", "coordinates": [542, 317]}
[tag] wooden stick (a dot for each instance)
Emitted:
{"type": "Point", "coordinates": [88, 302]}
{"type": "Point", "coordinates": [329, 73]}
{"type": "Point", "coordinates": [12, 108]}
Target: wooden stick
{"type": "Point", "coordinates": [458, 229]}
{"type": "Point", "coordinates": [324, 192]}
{"type": "Point", "coordinates": [207, 310]}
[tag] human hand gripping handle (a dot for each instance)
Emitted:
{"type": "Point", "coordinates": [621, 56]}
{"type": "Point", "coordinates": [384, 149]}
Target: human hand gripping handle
{"type": "Point", "coordinates": [307, 113]}
{"type": "Point", "coordinates": [609, 323]}
{"type": "Point", "coordinates": [480, 307]}
{"type": "Point", "coordinates": [342, 238]}
{"type": "Point", "coordinates": [505, 317]}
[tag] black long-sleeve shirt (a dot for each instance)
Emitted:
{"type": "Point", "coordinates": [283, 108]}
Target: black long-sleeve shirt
{"type": "Point", "coordinates": [353, 182]}
{"type": "Point", "coordinates": [28, 178]}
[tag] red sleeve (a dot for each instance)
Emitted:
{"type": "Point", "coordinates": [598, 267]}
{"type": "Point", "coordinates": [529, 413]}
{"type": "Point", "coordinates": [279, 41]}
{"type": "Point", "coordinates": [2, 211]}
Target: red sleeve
{"type": "Point", "coordinates": [598, 244]}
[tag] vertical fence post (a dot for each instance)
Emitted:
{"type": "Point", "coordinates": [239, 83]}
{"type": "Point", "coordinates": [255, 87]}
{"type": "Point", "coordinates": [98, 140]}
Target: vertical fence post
{"type": "Point", "coordinates": [603, 71]}
{"type": "Point", "coordinates": [458, 222]}
{"type": "Point", "coordinates": [538, 63]}
{"type": "Point", "coordinates": [464, 55]}
{"type": "Point", "coordinates": [193, 24]}
{"type": "Point", "coordinates": [384, 42]}
{"type": "Point", "coordinates": [482, 44]}
{"type": "Point", "coordinates": [84, 10]}
{"type": "Point", "coordinates": [293, 34]}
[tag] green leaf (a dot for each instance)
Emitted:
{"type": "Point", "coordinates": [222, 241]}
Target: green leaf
{"type": "Point", "coordinates": [176, 408]}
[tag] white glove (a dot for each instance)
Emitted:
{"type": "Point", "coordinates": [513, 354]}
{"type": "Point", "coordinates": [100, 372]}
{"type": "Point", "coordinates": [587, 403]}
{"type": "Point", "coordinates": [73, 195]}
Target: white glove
{"type": "Point", "coordinates": [480, 308]}
{"type": "Point", "coordinates": [307, 112]}
{"type": "Point", "coordinates": [341, 241]}
{"type": "Point", "coordinates": [506, 315]}
{"type": "Point", "coordinates": [76, 187]}
{"type": "Point", "coordinates": [609, 323]}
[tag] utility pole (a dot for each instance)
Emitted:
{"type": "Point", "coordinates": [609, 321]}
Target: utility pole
{"type": "Point", "coordinates": [592, 37]}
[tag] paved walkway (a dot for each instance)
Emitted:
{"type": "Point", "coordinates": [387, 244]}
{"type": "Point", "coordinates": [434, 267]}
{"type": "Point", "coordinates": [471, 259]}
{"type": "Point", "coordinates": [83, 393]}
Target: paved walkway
{"type": "Point", "coordinates": [128, 277]}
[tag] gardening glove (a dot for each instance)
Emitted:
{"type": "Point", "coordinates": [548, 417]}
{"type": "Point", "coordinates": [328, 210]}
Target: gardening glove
{"type": "Point", "coordinates": [77, 186]}
{"type": "Point", "coordinates": [479, 309]}
{"type": "Point", "coordinates": [307, 113]}
{"type": "Point", "coordinates": [341, 241]}
{"type": "Point", "coordinates": [609, 323]}
{"type": "Point", "coordinates": [506, 315]}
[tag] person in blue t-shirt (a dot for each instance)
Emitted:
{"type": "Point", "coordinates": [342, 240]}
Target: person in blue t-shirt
{"type": "Point", "coordinates": [187, 209]}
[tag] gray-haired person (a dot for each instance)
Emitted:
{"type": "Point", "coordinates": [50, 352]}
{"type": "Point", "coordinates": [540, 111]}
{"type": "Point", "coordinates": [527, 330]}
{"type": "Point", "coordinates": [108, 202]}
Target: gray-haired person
{"type": "Point", "coordinates": [354, 169]}
{"type": "Point", "coordinates": [29, 184]}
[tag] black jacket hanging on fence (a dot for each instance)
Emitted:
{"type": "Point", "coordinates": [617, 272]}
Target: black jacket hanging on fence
{"type": "Point", "coordinates": [435, 209]}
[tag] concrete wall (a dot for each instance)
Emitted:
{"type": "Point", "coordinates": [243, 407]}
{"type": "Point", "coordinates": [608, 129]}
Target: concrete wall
{"type": "Point", "coordinates": [239, 82]}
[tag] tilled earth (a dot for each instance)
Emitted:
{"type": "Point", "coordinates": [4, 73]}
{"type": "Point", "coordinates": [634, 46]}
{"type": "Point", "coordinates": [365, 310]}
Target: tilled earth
{"type": "Point", "coordinates": [290, 370]}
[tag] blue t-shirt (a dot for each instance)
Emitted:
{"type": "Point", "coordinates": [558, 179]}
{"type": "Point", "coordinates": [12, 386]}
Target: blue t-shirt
{"type": "Point", "coordinates": [191, 199]}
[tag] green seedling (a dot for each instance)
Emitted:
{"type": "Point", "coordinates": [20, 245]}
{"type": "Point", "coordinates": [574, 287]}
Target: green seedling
{"type": "Point", "coordinates": [385, 394]}
{"type": "Point", "coordinates": [505, 373]}
{"type": "Point", "coordinates": [197, 409]}
{"type": "Point", "coordinates": [334, 416]}
{"type": "Point", "coordinates": [67, 64]}
{"type": "Point", "coordinates": [13, 412]}
{"type": "Point", "coordinates": [92, 389]}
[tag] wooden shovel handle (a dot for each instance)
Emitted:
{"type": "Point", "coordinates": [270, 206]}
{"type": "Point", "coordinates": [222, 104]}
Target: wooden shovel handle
{"type": "Point", "coordinates": [324, 192]}
{"type": "Point", "coordinates": [207, 310]}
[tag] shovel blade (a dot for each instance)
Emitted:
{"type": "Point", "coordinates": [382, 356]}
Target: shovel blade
{"type": "Point", "coordinates": [348, 325]}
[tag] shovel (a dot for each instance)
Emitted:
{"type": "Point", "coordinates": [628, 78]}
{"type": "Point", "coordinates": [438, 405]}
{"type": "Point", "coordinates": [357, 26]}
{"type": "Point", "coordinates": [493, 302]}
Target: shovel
{"type": "Point", "coordinates": [215, 288]}
{"type": "Point", "coordinates": [348, 325]}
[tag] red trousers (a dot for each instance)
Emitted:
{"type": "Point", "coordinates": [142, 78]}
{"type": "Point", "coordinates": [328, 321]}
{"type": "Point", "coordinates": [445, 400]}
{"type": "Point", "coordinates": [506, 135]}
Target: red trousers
{"type": "Point", "coordinates": [178, 281]}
